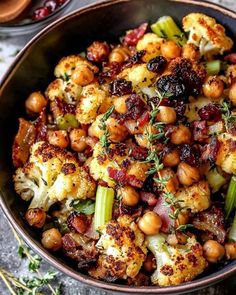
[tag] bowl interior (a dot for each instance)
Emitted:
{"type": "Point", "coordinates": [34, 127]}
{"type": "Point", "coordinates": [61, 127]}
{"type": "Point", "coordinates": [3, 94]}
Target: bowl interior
{"type": "Point", "coordinates": [33, 70]}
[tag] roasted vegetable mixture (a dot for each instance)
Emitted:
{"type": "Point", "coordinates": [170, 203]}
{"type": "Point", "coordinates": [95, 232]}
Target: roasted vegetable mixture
{"type": "Point", "coordinates": [128, 158]}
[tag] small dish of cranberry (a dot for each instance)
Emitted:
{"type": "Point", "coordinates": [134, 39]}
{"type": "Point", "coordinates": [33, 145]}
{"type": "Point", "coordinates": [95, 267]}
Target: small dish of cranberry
{"type": "Point", "coordinates": [35, 17]}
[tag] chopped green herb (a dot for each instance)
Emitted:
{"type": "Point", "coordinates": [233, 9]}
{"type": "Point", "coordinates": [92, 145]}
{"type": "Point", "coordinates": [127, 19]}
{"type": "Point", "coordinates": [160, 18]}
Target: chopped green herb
{"type": "Point", "coordinates": [84, 206]}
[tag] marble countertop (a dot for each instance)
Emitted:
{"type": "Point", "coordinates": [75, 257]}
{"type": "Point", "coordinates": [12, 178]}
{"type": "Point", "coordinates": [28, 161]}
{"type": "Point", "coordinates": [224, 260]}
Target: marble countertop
{"type": "Point", "coordinates": [8, 245]}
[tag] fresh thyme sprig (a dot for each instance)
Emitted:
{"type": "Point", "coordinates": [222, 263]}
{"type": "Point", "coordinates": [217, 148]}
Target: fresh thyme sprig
{"type": "Point", "coordinates": [229, 118]}
{"type": "Point", "coordinates": [25, 285]}
{"type": "Point", "coordinates": [157, 165]}
{"type": "Point", "coordinates": [104, 140]}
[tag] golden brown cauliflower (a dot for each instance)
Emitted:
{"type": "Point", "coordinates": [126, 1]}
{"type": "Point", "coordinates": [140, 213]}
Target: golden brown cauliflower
{"type": "Point", "coordinates": [205, 33]}
{"type": "Point", "coordinates": [123, 250]}
{"type": "Point", "coordinates": [175, 264]}
{"type": "Point", "coordinates": [195, 197]}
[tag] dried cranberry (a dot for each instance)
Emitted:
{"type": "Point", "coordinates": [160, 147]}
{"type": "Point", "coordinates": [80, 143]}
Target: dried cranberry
{"type": "Point", "coordinates": [51, 5]}
{"type": "Point", "coordinates": [40, 13]}
{"type": "Point", "coordinates": [133, 36]}
{"type": "Point", "coordinates": [231, 58]}
{"type": "Point", "coordinates": [189, 154]}
{"type": "Point", "coordinates": [61, 2]}
{"type": "Point", "coordinates": [180, 107]}
{"type": "Point", "coordinates": [210, 112]}
{"type": "Point", "coordinates": [157, 64]}
{"type": "Point", "coordinates": [171, 84]}
{"type": "Point", "coordinates": [135, 59]}
{"type": "Point", "coordinates": [120, 87]}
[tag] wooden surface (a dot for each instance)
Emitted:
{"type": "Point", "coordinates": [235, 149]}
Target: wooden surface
{"type": "Point", "coordinates": [8, 245]}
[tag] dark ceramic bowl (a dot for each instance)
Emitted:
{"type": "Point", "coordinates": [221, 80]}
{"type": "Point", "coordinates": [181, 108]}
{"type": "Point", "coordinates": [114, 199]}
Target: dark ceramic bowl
{"type": "Point", "coordinates": [33, 69]}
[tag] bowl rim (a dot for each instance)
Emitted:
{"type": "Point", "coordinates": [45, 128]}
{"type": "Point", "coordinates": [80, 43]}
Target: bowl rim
{"type": "Point", "coordinates": [51, 259]}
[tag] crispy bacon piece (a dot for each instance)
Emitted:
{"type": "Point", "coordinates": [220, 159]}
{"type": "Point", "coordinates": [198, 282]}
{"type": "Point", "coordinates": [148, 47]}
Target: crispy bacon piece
{"type": "Point", "coordinates": [123, 178]}
{"type": "Point", "coordinates": [144, 119]}
{"type": "Point", "coordinates": [24, 139]}
{"type": "Point", "coordinates": [211, 221]}
{"type": "Point", "coordinates": [209, 151]}
{"type": "Point", "coordinates": [164, 211]}
{"type": "Point", "coordinates": [200, 131]}
{"type": "Point", "coordinates": [133, 36]}
{"type": "Point", "coordinates": [231, 58]}
{"type": "Point", "coordinates": [149, 198]}
{"type": "Point", "coordinates": [137, 152]}
{"type": "Point", "coordinates": [78, 222]}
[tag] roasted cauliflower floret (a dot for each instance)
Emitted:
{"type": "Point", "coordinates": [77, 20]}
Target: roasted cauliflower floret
{"type": "Point", "coordinates": [175, 264]}
{"type": "Point", "coordinates": [151, 43]}
{"type": "Point", "coordinates": [91, 100]}
{"type": "Point", "coordinates": [226, 155]}
{"type": "Point", "coordinates": [139, 75]}
{"type": "Point", "coordinates": [66, 66]}
{"type": "Point", "coordinates": [52, 175]}
{"type": "Point", "coordinates": [205, 33]}
{"type": "Point", "coordinates": [123, 250]}
{"type": "Point", "coordinates": [195, 197]}
{"type": "Point", "coordinates": [67, 91]}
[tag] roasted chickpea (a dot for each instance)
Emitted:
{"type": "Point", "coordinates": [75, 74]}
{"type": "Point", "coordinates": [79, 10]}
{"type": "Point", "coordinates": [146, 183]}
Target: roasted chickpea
{"type": "Point", "coordinates": [58, 138]}
{"type": "Point", "coordinates": [130, 196]}
{"type": "Point", "coordinates": [232, 94]}
{"type": "Point", "coordinates": [82, 75]}
{"type": "Point", "coordinates": [172, 183]}
{"type": "Point", "coordinates": [36, 217]}
{"type": "Point", "coordinates": [120, 105]}
{"type": "Point", "coordinates": [182, 218]}
{"type": "Point", "coordinates": [35, 102]}
{"type": "Point", "coordinates": [180, 135]}
{"type": "Point", "coordinates": [170, 49]}
{"type": "Point", "coordinates": [98, 51]}
{"type": "Point", "coordinates": [187, 174]}
{"type": "Point", "coordinates": [149, 264]}
{"type": "Point", "coordinates": [213, 251]}
{"type": "Point", "coordinates": [166, 115]}
{"type": "Point", "coordinates": [231, 74]}
{"type": "Point", "coordinates": [51, 239]}
{"type": "Point", "coordinates": [150, 223]}
{"type": "Point", "coordinates": [171, 158]}
{"type": "Point", "coordinates": [119, 54]}
{"type": "Point", "coordinates": [77, 140]}
{"type": "Point", "coordinates": [213, 87]}
{"type": "Point", "coordinates": [230, 250]}
{"type": "Point", "coordinates": [191, 51]}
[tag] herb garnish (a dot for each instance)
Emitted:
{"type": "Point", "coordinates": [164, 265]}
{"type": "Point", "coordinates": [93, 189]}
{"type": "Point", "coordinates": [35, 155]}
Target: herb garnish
{"type": "Point", "coordinates": [104, 140]}
{"type": "Point", "coordinates": [229, 118]}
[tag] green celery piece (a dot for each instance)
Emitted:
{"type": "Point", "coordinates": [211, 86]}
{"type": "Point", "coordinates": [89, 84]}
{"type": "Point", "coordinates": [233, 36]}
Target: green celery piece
{"type": "Point", "coordinates": [230, 200]}
{"type": "Point", "coordinates": [165, 27]}
{"type": "Point", "coordinates": [103, 206]}
{"type": "Point", "coordinates": [67, 121]}
{"type": "Point", "coordinates": [232, 232]}
{"type": "Point", "coordinates": [213, 67]}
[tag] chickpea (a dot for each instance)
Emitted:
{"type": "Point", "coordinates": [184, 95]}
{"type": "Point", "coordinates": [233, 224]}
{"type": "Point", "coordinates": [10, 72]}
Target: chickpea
{"type": "Point", "coordinates": [170, 50]}
{"type": "Point", "coordinates": [171, 158]}
{"type": "Point", "coordinates": [180, 135]}
{"type": "Point", "coordinates": [166, 115]}
{"type": "Point", "coordinates": [231, 74]}
{"type": "Point", "coordinates": [213, 251]}
{"type": "Point", "coordinates": [172, 184]}
{"type": "Point", "coordinates": [35, 102]}
{"type": "Point", "coordinates": [58, 138]}
{"type": "Point", "coordinates": [232, 93]}
{"type": "Point", "coordinates": [213, 87]}
{"type": "Point", "coordinates": [98, 51]}
{"type": "Point", "coordinates": [230, 250]}
{"type": "Point", "coordinates": [82, 75]}
{"type": "Point", "coordinates": [119, 55]}
{"type": "Point", "coordinates": [149, 264]}
{"type": "Point", "coordinates": [51, 239]}
{"type": "Point", "coordinates": [120, 105]}
{"type": "Point", "coordinates": [36, 217]}
{"type": "Point", "coordinates": [191, 51]}
{"type": "Point", "coordinates": [77, 140]}
{"type": "Point", "coordinates": [150, 223]}
{"type": "Point", "coordinates": [183, 218]}
{"type": "Point", "coordinates": [129, 195]}
{"type": "Point", "coordinates": [187, 174]}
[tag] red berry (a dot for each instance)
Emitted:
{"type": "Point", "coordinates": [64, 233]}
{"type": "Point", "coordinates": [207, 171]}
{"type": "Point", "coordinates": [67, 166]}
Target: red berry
{"type": "Point", "coordinates": [61, 2]}
{"type": "Point", "coordinates": [51, 5]}
{"type": "Point", "coordinates": [210, 112]}
{"type": "Point", "coordinates": [40, 13]}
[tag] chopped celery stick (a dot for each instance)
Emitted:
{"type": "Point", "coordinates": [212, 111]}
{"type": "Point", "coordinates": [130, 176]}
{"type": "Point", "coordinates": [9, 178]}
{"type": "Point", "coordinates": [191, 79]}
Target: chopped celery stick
{"type": "Point", "coordinates": [230, 199]}
{"type": "Point", "coordinates": [213, 67]}
{"type": "Point", "coordinates": [67, 121]}
{"type": "Point", "coordinates": [232, 232]}
{"type": "Point", "coordinates": [165, 27]}
{"type": "Point", "coordinates": [103, 206]}
{"type": "Point", "coordinates": [215, 180]}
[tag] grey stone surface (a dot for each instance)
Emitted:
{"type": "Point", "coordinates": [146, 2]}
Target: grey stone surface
{"type": "Point", "coordinates": [8, 245]}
